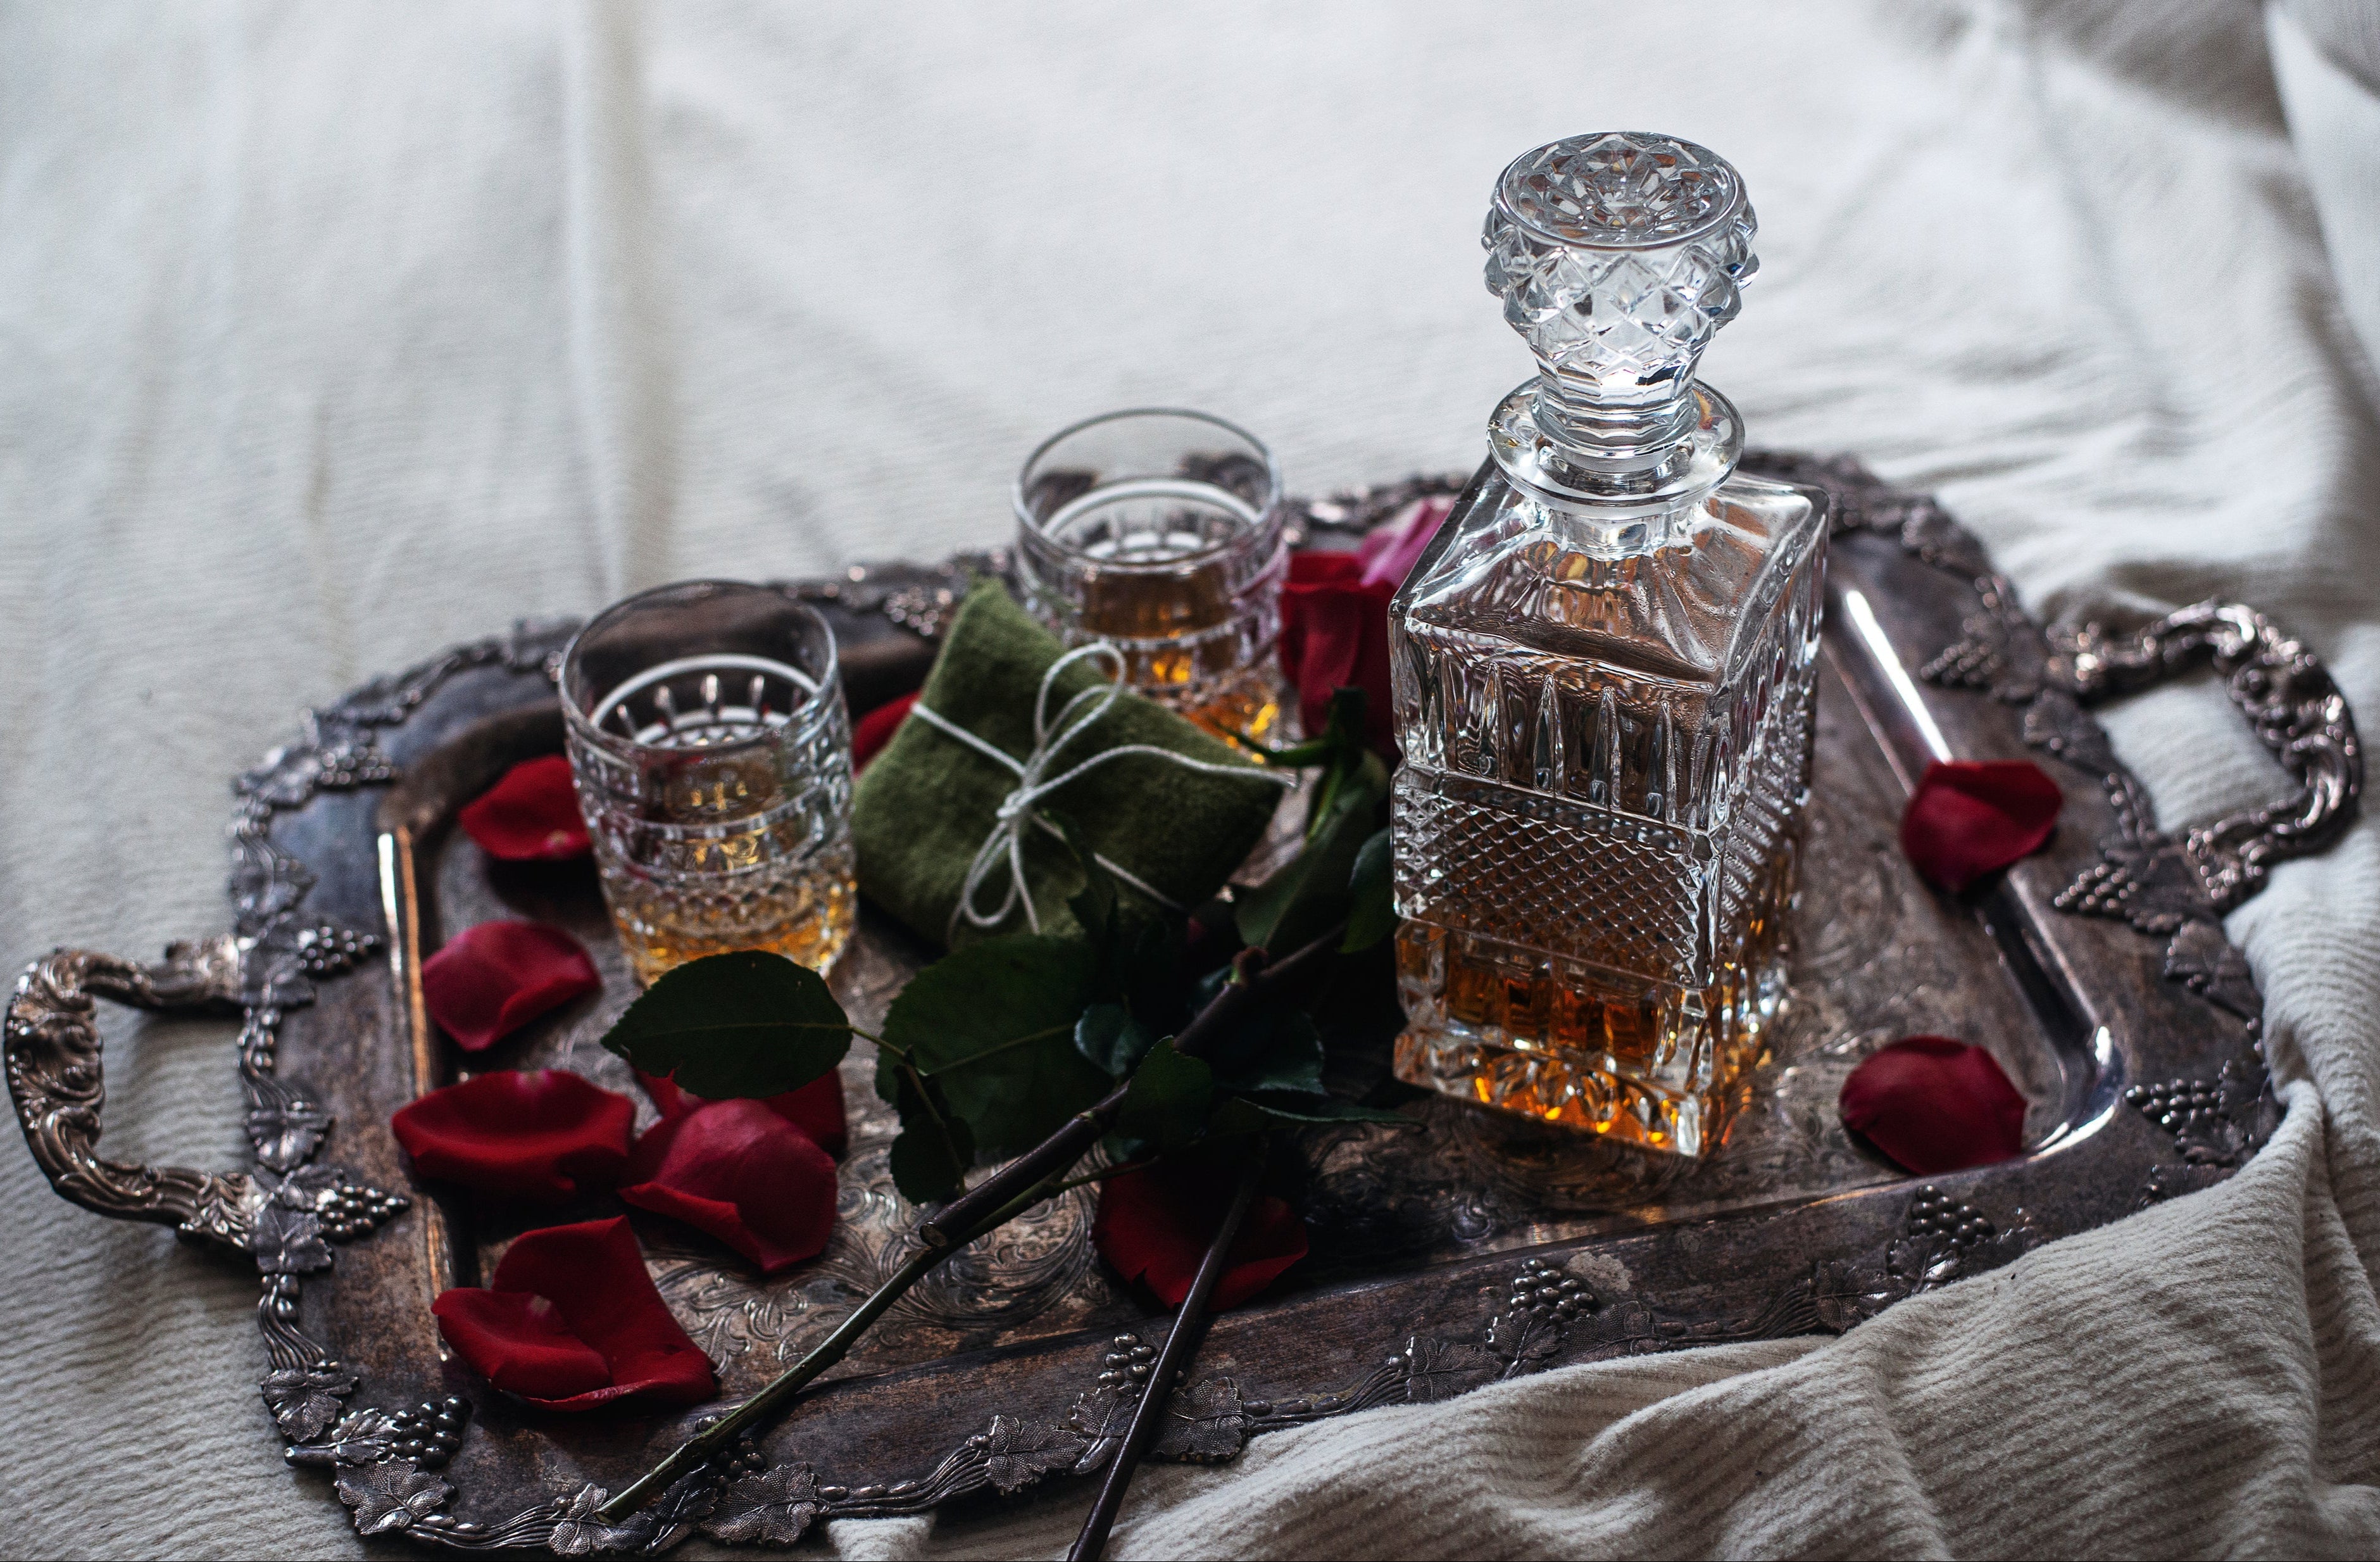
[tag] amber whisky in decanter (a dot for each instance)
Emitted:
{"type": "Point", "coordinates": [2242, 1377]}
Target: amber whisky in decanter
{"type": "Point", "coordinates": [1604, 676]}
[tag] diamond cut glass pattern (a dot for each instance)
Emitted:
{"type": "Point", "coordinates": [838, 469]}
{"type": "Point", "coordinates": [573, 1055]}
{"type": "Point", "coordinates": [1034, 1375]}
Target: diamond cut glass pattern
{"type": "Point", "coordinates": [712, 751]}
{"type": "Point", "coordinates": [1617, 257]}
{"type": "Point", "coordinates": [1604, 684]}
{"type": "Point", "coordinates": [1595, 190]}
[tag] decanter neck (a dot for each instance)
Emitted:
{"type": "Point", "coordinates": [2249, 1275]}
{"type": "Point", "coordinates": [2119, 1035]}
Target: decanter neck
{"type": "Point", "coordinates": [1580, 413]}
{"type": "Point", "coordinates": [1589, 455]}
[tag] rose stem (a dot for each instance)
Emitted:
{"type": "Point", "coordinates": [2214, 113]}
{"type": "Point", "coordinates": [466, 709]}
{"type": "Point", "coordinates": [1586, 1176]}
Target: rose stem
{"type": "Point", "coordinates": [1254, 982]}
{"type": "Point", "coordinates": [986, 1207]}
{"type": "Point", "coordinates": [715, 1438]}
{"type": "Point", "coordinates": [1181, 1344]}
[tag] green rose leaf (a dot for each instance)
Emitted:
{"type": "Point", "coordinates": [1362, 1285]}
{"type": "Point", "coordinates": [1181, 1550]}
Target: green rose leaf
{"type": "Point", "coordinates": [1153, 986]}
{"type": "Point", "coordinates": [1311, 891]}
{"type": "Point", "coordinates": [929, 1161]}
{"type": "Point", "coordinates": [1111, 1039]}
{"type": "Point", "coordinates": [1340, 738]}
{"type": "Point", "coordinates": [1313, 752]}
{"type": "Point", "coordinates": [748, 1023]}
{"type": "Point", "coordinates": [1168, 1100]}
{"type": "Point", "coordinates": [1138, 949]}
{"type": "Point", "coordinates": [993, 1026]}
{"type": "Point", "coordinates": [1288, 1057]}
{"type": "Point", "coordinates": [1372, 885]}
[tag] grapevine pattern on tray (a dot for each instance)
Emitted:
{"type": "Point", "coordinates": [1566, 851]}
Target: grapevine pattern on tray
{"type": "Point", "coordinates": [385, 1460]}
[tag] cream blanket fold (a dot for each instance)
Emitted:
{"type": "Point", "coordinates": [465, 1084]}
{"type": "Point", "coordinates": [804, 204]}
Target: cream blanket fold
{"type": "Point", "coordinates": [332, 333]}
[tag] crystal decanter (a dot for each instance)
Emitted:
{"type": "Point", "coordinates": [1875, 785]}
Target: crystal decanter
{"type": "Point", "coordinates": [1603, 677]}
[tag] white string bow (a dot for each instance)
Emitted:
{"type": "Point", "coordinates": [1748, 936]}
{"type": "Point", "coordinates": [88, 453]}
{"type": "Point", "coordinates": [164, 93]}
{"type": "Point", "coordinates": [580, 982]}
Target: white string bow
{"type": "Point", "coordinates": [1020, 808]}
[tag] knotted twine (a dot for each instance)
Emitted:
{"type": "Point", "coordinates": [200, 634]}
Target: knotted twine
{"type": "Point", "coordinates": [1020, 808]}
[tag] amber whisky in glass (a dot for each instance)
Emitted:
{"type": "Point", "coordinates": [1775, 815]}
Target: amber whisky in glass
{"type": "Point", "coordinates": [712, 751]}
{"type": "Point", "coordinates": [1604, 676]}
{"type": "Point", "coordinates": [1158, 531]}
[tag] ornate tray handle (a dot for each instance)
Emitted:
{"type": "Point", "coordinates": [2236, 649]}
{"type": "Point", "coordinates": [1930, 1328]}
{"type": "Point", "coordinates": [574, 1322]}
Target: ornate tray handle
{"type": "Point", "coordinates": [2285, 692]}
{"type": "Point", "coordinates": [54, 1073]}
{"type": "Point", "coordinates": [1582, 1293]}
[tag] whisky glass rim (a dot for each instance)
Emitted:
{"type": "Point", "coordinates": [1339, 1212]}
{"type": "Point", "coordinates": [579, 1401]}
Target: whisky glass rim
{"type": "Point", "coordinates": [1262, 523]}
{"type": "Point", "coordinates": [823, 685]}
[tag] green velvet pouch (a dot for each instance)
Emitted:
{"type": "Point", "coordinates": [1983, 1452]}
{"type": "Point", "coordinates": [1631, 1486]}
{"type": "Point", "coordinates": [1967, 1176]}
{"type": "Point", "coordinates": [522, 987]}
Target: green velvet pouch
{"type": "Point", "coordinates": [926, 803]}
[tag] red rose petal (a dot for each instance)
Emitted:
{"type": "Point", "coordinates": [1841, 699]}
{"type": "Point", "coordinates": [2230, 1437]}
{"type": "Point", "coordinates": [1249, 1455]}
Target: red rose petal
{"type": "Point", "coordinates": [872, 731]}
{"type": "Point", "coordinates": [517, 1341]}
{"type": "Point", "coordinates": [816, 1109]}
{"type": "Point", "coordinates": [1334, 633]}
{"type": "Point", "coordinates": [1154, 1225]}
{"type": "Point", "coordinates": [1390, 552]}
{"type": "Point", "coordinates": [1970, 817]}
{"type": "Point", "coordinates": [530, 816]}
{"type": "Point", "coordinates": [1932, 1105]}
{"type": "Point", "coordinates": [591, 1279]}
{"type": "Point", "coordinates": [546, 1135]}
{"type": "Point", "coordinates": [745, 1175]}
{"type": "Point", "coordinates": [667, 1099]}
{"type": "Point", "coordinates": [491, 980]}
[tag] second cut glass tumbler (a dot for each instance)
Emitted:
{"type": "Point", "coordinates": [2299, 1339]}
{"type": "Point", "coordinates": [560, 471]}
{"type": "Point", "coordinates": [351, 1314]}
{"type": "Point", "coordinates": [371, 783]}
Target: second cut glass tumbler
{"type": "Point", "coordinates": [713, 755]}
{"type": "Point", "coordinates": [1159, 532]}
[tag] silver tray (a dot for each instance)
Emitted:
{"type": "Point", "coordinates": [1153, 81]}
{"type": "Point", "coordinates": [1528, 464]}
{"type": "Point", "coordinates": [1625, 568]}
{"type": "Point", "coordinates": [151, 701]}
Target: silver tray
{"type": "Point", "coordinates": [1479, 1248]}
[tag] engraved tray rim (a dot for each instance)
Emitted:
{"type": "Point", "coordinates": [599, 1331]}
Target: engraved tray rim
{"type": "Point", "coordinates": [1842, 1256]}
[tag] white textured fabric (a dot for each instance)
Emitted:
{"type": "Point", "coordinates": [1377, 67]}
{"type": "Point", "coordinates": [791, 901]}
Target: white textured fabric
{"type": "Point", "coordinates": [334, 333]}
{"type": "Point", "coordinates": [2326, 62]}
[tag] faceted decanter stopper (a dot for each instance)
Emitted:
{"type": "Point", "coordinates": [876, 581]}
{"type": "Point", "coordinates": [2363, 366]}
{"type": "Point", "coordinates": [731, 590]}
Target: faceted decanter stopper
{"type": "Point", "coordinates": [1618, 256]}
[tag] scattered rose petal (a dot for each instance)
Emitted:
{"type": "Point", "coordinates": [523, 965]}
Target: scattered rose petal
{"type": "Point", "coordinates": [547, 1135]}
{"type": "Point", "coordinates": [872, 731]}
{"type": "Point", "coordinates": [571, 1321]}
{"type": "Point", "coordinates": [1971, 817]}
{"type": "Point", "coordinates": [1334, 633]}
{"type": "Point", "coordinates": [530, 816]}
{"type": "Point", "coordinates": [1932, 1105]}
{"type": "Point", "coordinates": [1154, 1225]}
{"type": "Point", "coordinates": [816, 1109]}
{"type": "Point", "coordinates": [742, 1173]}
{"type": "Point", "coordinates": [1389, 551]}
{"type": "Point", "coordinates": [517, 1341]}
{"type": "Point", "coordinates": [491, 980]}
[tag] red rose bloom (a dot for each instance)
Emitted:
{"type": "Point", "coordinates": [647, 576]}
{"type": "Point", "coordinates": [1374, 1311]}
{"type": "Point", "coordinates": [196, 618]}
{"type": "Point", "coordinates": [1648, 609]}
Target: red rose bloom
{"type": "Point", "coordinates": [1154, 1225]}
{"type": "Point", "coordinates": [1334, 634]}
{"type": "Point", "coordinates": [1334, 621]}
{"type": "Point", "coordinates": [872, 731]}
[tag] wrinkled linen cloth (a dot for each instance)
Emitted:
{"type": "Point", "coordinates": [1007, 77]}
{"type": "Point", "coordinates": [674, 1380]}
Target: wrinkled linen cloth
{"type": "Point", "coordinates": [335, 334]}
